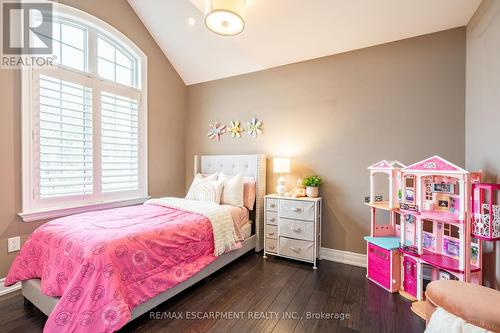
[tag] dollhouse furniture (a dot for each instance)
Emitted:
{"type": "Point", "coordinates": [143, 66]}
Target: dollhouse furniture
{"type": "Point", "coordinates": [475, 304]}
{"type": "Point", "coordinates": [383, 266]}
{"type": "Point", "coordinates": [383, 262]}
{"type": "Point", "coordinates": [485, 212]}
{"type": "Point", "coordinates": [292, 227]}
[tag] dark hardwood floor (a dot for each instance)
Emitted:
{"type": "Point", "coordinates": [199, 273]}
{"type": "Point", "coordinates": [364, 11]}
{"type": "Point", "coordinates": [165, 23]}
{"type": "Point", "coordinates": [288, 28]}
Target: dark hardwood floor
{"type": "Point", "coordinates": [272, 295]}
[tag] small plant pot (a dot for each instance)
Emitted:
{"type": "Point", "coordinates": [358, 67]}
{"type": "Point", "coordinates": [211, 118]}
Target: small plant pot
{"type": "Point", "coordinates": [312, 192]}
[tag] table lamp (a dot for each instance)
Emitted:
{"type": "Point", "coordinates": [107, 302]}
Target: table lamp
{"type": "Point", "coordinates": [281, 165]}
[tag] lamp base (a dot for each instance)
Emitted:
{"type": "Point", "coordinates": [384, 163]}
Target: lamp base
{"type": "Point", "coordinates": [281, 188]}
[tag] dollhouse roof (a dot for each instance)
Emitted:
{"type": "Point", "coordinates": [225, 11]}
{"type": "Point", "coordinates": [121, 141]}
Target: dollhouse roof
{"type": "Point", "coordinates": [435, 163]}
{"type": "Point", "coordinates": [387, 165]}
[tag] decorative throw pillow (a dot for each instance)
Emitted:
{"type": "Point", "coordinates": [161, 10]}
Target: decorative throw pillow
{"type": "Point", "coordinates": [197, 179]}
{"type": "Point", "coordinates": [207, 190]}
{"type": "Point", "coordinates": [232, 192]}
{"type": "Point", "coordinates": [249, 192]}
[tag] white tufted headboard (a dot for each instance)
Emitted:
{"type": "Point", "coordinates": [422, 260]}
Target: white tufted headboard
{"type": "Point", "coordinates": [249, 166]}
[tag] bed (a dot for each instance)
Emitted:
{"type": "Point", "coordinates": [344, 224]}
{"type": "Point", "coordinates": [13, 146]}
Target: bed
{"type": "Point", "coordinates": [193, 255]}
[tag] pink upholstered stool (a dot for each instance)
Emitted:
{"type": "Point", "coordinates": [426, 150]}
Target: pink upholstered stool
{"type": "Point", "coordinates": [475, 304]}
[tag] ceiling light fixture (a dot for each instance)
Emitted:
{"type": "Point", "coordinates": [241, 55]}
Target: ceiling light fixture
{"type": "Point", "coordinates": [225, 17]}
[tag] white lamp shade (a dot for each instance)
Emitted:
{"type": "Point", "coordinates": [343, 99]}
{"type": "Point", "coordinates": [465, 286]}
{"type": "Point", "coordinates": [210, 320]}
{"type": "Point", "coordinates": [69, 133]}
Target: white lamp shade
{"type": "Point", "coordinates": [225, 17]}
{"type": "Point", "coordinates": [281, 165]}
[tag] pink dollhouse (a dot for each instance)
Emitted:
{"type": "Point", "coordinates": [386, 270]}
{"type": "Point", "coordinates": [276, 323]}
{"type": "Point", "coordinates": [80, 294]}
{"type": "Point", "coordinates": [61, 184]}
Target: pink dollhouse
{"type": "Point", "coordinates": [435, 236]}
{"type": "Point", "coordinates": [432, 227]}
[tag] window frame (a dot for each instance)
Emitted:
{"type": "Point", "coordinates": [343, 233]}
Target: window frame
{"type": "Point", "coordinates": [32, 208]}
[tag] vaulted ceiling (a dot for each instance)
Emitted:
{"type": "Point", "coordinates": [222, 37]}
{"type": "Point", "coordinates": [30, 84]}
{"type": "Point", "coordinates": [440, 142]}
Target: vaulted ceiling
{"type": "Point", "coordinates": [280, 32]}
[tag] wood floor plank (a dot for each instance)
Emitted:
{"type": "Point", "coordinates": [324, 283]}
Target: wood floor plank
{"type": "Point", "coordinates": [298, 304]}
{"type": "Point", "coordinates": [252, 284]}
{"type": "Point", "coordinates": [281, 301]}
{"type": "Point", "coordinates": [232, 294]}
{"type": "Point", "coordinates": [353, 301]}
{"type": "Point", "coordinates": [335, 303]}
{"type": "Point", "coordinates": [260, 293]}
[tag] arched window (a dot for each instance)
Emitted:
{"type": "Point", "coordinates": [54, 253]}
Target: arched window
{"type": "Point", "coordinates": [84, 120]}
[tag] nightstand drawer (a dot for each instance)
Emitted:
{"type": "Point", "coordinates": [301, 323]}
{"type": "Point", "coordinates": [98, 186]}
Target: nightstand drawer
{"type": "Point", "coordinates": [272, 218]}
{"type": "Point", "coordinates": [300, 210]}
{"type": "Point", "coordinates": [271, 231]}
{"type": "Point", "coordinates": [297, 229]}
{"type": "Point", "coordinates": [272, 205]}
{"type": "Point", "coordinates": [297, 248]}
{"type": "Point", "coordinates": [271, 245]}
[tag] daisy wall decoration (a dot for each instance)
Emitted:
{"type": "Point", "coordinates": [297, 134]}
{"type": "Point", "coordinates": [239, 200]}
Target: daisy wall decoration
{"type": "Point", "coordinates": [216, 130]}
{"type": "Point", "coordinates": [254, 127]}
{"type": "Point", "coordinates": [235, 129]}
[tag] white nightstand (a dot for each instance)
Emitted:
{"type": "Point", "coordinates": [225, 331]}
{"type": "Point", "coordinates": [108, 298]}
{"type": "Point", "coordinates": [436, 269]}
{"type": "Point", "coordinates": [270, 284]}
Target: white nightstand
{"type": "Point", "coordinates": [292, 227]}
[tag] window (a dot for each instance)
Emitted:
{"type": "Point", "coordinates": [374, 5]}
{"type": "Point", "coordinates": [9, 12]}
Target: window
{"type": "Point", "coordinates": [84, 121]}
{"type": "Point", "coordinates": [451, 231]}
{"type": "Point", "coordinates": [428, 226]}
{"type": "Point", "coordinates": [114, 63]}
{"type": "Point", "coordinates": [65, 138]}
{"type": "Point", "coordinates": [409, 182]}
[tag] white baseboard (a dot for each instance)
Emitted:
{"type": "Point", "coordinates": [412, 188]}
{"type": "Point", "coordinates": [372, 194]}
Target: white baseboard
{"type": "Point", "coordinates": [5, 290]}
{"type": "Point", "coordinates": [343, 257]}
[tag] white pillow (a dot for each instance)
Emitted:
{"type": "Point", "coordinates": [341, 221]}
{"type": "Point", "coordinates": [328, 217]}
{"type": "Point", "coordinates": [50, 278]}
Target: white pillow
{"type": "Point", "coordinates": [232, 193]}
{"type": "Point", "coordinates": [205, 189]}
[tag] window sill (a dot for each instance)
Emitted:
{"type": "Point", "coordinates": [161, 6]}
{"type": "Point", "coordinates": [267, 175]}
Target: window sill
{"type": "Point", "coordinates": [53, 213]}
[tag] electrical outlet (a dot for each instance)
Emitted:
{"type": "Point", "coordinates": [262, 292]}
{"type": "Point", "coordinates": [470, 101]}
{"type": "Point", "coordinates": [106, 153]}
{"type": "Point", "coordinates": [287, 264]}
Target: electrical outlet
{"type": "Point", "coordinates": [14, 244]}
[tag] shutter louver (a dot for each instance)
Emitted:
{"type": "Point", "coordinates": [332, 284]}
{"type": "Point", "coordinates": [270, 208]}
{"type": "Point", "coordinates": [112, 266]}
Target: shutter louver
{"type": "Point", "coordinates": [119, 143]}
{"type": "Point", "coordinates": [65, 138]}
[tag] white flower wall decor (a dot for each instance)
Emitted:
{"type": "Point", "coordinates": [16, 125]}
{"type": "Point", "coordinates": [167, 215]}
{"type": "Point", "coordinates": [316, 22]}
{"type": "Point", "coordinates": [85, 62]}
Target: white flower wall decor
{"type": "Point", "coordinates": [216, 130]}
{"type": "Point", "coordinates": [235, 129]}
{"type": "Point", "coordinates": [254, 127]}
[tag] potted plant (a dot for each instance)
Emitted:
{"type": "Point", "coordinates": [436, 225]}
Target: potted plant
{"type": "Point", "coordinates": [312, 184]}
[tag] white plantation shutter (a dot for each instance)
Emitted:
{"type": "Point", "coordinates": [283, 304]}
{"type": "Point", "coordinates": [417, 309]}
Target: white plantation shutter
{"type": "Point", "coordinates": [65, 138]}
{"type": "Point", "coordinates": [120, 143]}
{"type": "Point", "coordinates": [84, 131]}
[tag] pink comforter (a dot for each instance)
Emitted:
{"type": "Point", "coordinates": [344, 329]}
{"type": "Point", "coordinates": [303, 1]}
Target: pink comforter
{"type": "Point", "coordinates": [105, 263]}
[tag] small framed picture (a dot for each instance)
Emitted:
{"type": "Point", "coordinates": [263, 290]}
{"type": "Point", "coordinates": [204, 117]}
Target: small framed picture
{"type": "Point", "coordinates": [429, 241]}
{"type": "Point", "coordinates": [443, 188]}
{"type": "Point", "coordinates": [409, 195]}
{"type": "Point", "coordinates": [451, 247]}
{"type": "Point", "coordinates": [443, 203]}
{"type": "Point", "coordinates": [379, 198]}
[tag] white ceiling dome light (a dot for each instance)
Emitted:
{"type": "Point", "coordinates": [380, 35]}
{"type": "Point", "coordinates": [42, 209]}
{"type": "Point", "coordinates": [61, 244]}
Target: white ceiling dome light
{"type": "Point", "coordinates": [225, 17]}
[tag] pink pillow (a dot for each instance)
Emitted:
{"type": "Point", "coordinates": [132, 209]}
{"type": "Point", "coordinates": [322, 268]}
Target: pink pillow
{"type": "Point", "coordinates": [249, 192]}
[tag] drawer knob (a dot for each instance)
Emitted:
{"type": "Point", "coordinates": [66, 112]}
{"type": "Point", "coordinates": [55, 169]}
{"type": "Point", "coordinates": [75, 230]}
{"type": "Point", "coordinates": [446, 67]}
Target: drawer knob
{"type": "Point", "coordinates": [273, 205]}
{"type": "Point", "coordinates": [296, 209]}
{"type": "Point", "coordinates": [271, 247]}
{"type": "Point", "coordinates": [272, 219]}
{"type": "Point", "coordinates": [296, 250]}
{"type": "Point", "coordinates": [271, 233]}
{"type": "Point", "coordinates": [296, 229]}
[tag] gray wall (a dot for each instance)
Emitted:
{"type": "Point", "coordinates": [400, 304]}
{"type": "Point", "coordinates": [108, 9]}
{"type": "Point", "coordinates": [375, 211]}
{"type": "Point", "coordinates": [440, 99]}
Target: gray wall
{"type": "Point", "coordinates": [337, 115]}
{"type": "Point", "coordinates": [483, 110]}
